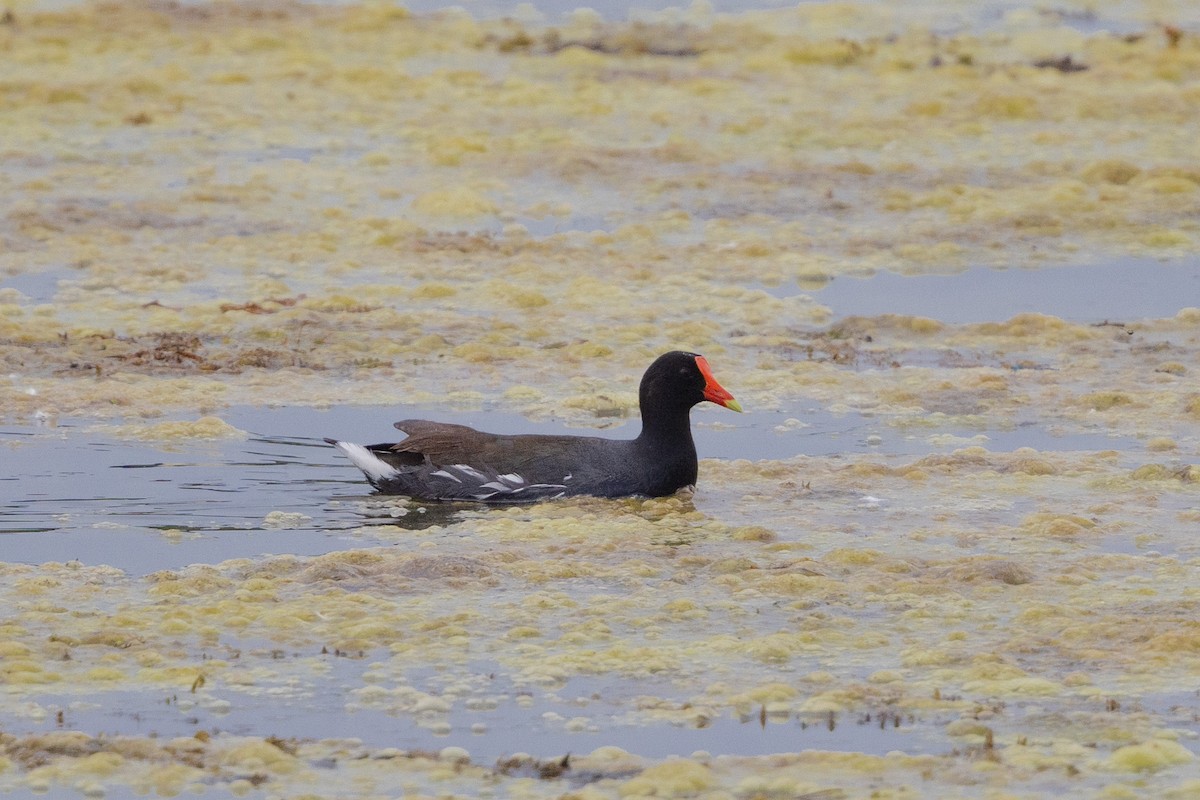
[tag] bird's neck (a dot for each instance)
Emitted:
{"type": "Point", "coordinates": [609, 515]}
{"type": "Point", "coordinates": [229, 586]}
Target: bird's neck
{"type": "Point", "coordinates": [667, 428]}
{"type": "Point", "coordinates": [668, 454]}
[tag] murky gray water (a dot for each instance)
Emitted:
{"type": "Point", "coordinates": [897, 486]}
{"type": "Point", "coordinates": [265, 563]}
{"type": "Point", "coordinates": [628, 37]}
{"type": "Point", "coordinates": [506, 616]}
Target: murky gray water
{"type": "Point", "coordinates": [1120, 17]}
{"type": "Point", "coordinates": [78, 495]}
{"type": "Point", "coordinates": [1122, 290]}
{"type": "Point", "coordinates": [72, 492]}
{"type": "Point", "coordinates": [533, 716]}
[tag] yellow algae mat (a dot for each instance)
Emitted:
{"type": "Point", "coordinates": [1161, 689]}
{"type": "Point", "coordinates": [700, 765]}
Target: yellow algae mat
{"type": "Point", "coordinates": [216, 205]}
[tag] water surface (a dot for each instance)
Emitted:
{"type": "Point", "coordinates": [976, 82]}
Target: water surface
{"type": "Point", "coordinates": [141, 507]}
{"type": "Point", "coordinates": [1120, 290]}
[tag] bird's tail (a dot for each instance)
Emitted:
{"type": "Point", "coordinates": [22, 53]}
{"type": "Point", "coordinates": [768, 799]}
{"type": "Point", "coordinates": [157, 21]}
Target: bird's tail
{"type": "Point", "coordinates": [375, 468]}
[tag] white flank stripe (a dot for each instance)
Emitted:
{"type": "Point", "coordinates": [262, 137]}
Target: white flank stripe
{"type": "Point", "coordinates": [468, 470]}
{"type": "Point", "coordinates": [513, 478]}
{"type": "Point", "coordinates": [441, 473]}
{"type": "Point", "coordinates": [372, 466]}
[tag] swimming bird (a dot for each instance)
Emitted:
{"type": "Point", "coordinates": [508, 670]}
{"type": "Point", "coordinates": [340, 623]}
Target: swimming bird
{"type": "Point", "coordinates": [443, 461]}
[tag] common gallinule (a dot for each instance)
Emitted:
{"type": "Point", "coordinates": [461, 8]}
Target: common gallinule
{"type": "Point", "coordinates": [441, 461]}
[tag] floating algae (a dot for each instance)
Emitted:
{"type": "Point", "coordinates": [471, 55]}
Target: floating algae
{"type": "Point", "coordinates": [953, 554]}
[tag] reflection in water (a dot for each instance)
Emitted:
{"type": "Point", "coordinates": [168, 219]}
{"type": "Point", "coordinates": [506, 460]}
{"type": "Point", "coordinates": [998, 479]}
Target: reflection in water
{"type": "Point", "coordinates": [95, 500]}
{"type": "Point", "coordinates": [83, 496]}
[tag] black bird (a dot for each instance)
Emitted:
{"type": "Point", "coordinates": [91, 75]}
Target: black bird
{"type": "Point", "coordinates": [442, 461]}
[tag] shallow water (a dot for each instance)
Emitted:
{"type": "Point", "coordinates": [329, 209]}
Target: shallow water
{"type": "Point", "coordinates": [968, 546]}
{"type": "Point", "coordinates": [1118, 291]}
{"type": "Point", "coordinates": [523, 716]}
{"type": "Point", "coordinates": [1122, 290]}
{"type": "Point", "coordinates": [141, 508]}
{"type": "Point", "coordinates": [82, 495]}
{"type": "Point", "coordinates": [1118, 17]}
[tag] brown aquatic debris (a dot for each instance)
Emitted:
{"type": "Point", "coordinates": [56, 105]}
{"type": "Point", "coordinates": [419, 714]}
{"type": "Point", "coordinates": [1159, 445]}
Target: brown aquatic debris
{"type": "Point", "coordinates": [1063, 64]}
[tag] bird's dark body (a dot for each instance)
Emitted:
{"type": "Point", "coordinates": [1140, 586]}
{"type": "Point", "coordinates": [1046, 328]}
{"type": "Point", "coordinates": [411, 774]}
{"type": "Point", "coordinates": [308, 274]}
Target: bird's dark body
{"type": "Point", "coordinates": [550, 466]}
{"type": "Point", "coordinates": [443, 461]}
